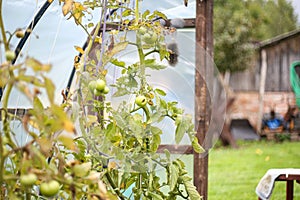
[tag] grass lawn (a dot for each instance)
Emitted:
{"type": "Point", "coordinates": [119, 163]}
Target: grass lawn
{"type": "Point", "coordinates": [235, 173]}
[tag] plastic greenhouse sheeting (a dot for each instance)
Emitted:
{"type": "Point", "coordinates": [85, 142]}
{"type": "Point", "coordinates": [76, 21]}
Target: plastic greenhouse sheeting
{"type": "Point", "coordinates": [54, 38]}
{"type": "Point", "coordinates": [52, 41]}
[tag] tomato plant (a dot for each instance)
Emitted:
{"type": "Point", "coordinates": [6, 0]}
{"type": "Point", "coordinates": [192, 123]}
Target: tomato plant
{"type": "Point", "coordinates": [109, 151]}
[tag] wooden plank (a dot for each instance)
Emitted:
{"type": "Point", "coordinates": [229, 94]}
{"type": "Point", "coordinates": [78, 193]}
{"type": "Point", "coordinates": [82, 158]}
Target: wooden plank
{"type": "Point", "coordinates": [284, 177]}
{"type": "Point", "coordinates": [289, 178]}
{"type": "Point", "coordinates": [189, 23]}
{"type": "Point", "coordinates": [176, 149]}
{"type": "Point", "coordinates": [16, 111]}
{"type": "Point", "coordinates": [264, 67]}
{"type": "Point", "coordinates": [204, 40]}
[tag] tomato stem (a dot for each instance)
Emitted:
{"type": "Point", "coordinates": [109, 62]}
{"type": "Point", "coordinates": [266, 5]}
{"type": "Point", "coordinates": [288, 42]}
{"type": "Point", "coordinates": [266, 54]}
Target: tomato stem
{"type": "Point", "coordinates": [6, 133]}
{"type": "Point", "coordinates": [146, 110]}
{"type": "Point", "coordinates": [4, 40]}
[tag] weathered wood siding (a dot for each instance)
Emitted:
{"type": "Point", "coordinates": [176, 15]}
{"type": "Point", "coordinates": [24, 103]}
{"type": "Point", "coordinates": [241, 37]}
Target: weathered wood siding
{"type": "Point", "coordinates": [281, 52]}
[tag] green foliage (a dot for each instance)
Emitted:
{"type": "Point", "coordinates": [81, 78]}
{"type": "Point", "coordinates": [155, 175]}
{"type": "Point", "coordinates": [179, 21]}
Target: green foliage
{"type": "Point", "coordinates": [239, 25]}
{"type": "Point", "coordinates": [88, 148]}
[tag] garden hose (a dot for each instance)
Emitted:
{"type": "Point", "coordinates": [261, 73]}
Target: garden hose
{"type": "Point", "coordinates": [295, 81]}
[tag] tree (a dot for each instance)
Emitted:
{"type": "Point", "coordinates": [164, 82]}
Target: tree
{"type": "Point", "coordinates": [239, 25]}
{"type": "Point", "coordinates": [232, 33]}
{"type": "Point", "coordinates": [271, 18]}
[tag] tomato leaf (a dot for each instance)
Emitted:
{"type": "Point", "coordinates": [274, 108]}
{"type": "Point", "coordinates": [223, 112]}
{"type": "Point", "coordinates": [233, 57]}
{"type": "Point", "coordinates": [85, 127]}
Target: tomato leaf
{"type": "Point", "coordinates": [117, 62]}
{"type": "Point", "coordinates": [149, 61]}
{"type": "Point", "coordinates": [155, 130]}
{"type": "Point", "coordinates": [156, 66]}
{"type": "Point", "coordinates": [90, 25]}
{"type": "Point", "coordinates": [160, 14]}
{"type": "Point", "coordinates": [127, 12]}
{"type": "Point", "coordinates": [132, 83]}
{"type": "Point", "coordinates": [79, 49]}
{"type": "Point", "coordinates": [38, 105]}
{"type": "Point", "coordinates": [31, 79]}
{"type": "Point", "coordinates": [180, 131]}
{"type": "Point", "coordinates": [78, 9]}
{"type": "Point", "coordinates": [174, 174]}
{"type": "Point", "coordinates": [37, 65]}
{"type": "Point", "coordinates": [45, 145]}
{"type": "Point", "coordinates": [50, 88]}
{"type": "Point", "coordinates": [68, 142]}
{"type": "Point", "coordinates": [67, 7]}
{"type": "Point", "coordinates": [121, 92]}
{"type": "Point", "coordinates": [155, 196]}
{"type": "Point", "coordinates": [196, 146]}
{"type": "Point", "coordinates": [117, 48]}
{"type": "Point", "coordinates": [156, 140]}
{"type": "Point", "coordinates": [168, 154]}
{"type": "Point", "coordinates": [145, 14]}
{"type": "Point", "coordinates": [120, 121]}
{"type": "Point", "coordinates": [163, 52]}
{"type": "Point", "coordinates": [160, 92]}
{"type": "Point", "coordinates": [190, 188]}
{"type": "Point", "coordinates": [91, 119]}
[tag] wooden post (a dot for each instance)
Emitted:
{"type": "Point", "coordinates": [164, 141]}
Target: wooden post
{"type": "Point", "coordinates": [263, 74]}
{"type": "Point", "coordinates": [204, 48]}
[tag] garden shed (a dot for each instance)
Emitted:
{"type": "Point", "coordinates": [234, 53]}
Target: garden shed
{"type": "Point", "coordinates": [281, 52]}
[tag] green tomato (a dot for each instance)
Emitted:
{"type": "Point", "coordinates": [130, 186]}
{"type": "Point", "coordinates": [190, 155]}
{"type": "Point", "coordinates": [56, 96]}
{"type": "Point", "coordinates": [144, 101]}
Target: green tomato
{"type": "Point", "coordinates": [49, 189]}
{"type": "Point", "coordinates": [146, 38]}
{"type": "Point", "coordinates": [28, 179]}
{"type": "Point", "coordinates": [97, 92]}
{"type": "Point", "coordinates": [92, 86]}
{"type": "Point", "coordinates": [141, 100]}
{"type": "Point", "coordinates": [142, 30]}
{"type": "Point", "coordinates": [10, 55]}
{"type": "Point", "coordinates": [106, 90]}
{"type": "Point", "coordinates": [154, 37]}
{"type": "Point", "coordinates": [82, 170]}
{"type": "Point", "coordinates": [150, 38]}
{"type": "Point", "coordinates": [100, 84]}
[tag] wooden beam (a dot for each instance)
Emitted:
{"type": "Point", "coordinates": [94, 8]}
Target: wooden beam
{"type": "Point", "coordinates": [175, 149]}
{"type": "Point", "coordinates": [204, 48]}
{"type": "Point", "coordinates": [189, 23]}
{"type": "Point", "coordinates": [262, 84]}
{"type": "Point", "coordinates": [20, 112]}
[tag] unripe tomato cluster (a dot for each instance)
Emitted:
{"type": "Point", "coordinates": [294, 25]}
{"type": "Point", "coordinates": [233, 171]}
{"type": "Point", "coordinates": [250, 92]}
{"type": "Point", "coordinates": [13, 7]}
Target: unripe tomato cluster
{"type": "Point", "coordinates": [98, 87]}
{"type": "Point", "coordinates": [148, 35]}
{"type": "Point", "coordinates": [47, 189]}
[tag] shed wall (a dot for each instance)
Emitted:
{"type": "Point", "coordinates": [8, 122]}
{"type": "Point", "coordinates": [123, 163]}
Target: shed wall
{"type": "Point", "coordinates": [280, 55]}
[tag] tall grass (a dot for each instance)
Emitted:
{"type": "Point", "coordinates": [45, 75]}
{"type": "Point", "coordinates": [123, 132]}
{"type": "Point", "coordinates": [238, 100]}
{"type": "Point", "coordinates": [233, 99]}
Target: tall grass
{"type": "Point", "coordinates": [235, 173]}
